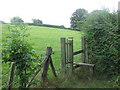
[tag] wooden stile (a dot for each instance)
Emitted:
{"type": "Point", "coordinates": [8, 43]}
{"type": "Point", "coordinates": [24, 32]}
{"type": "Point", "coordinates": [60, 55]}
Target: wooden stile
{"type": "Point", "coordinates": [67, 55]}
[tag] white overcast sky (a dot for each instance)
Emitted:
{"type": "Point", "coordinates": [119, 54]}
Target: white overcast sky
{"type": "Point", "coordinates": [56, 12]}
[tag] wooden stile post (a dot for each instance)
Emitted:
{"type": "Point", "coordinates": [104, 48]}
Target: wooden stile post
{"type": "Point", "coordinates": [67, 50]}
{"type": "Point", "coordinates": [63, 54]}
{"type": "Point", "coordinates": [84, 50]}
{"type": "Point", "coordinates": [11, 76]}
{"type": "Point", "coordinates": [46, 64]}
{"type": "Point", "coordinates": [52, 66]}
{"type": "Point", "coordinates": [70, 41]}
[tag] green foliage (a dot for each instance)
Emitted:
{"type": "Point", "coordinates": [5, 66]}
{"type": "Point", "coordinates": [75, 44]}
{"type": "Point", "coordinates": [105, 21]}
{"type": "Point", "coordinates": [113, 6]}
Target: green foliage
{"type": "Point", "coordinates": [16, 48]}
{"type": "Point", "coordinates": [102, 41]}
{"type": "Point", "coordinates": [117, 82]}
{"type": "Point", "coordinates": [78, 16]}
{"type": "Point", "coordinates": [37, 21]}
{"type": "Point", "coordinates": [16, 20]}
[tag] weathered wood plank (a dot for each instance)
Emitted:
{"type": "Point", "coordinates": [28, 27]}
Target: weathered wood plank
{"type": "Point", "coordinates": [11, 76]}
{"type": "Point", "coordinates": [52, 66]}
{"type": "Point", "coordinates": [84, 64]}
{"type": "Point", "coordinates": [29, 84]}
{"type": "Point", "coordinates": [84, 50]}
{"type": "Point", "coordinates": [67, 50]}
{"type": "Point", "coordinates": [77, 52]}
{"type": "Point", "coordinates": [46, 64]}
{"type": "Point", "coordinates": [45, 70]}
{"type": "Point", "coordinates": [63, 54]}
{"type": "Point", "coordinates": [70, 41]}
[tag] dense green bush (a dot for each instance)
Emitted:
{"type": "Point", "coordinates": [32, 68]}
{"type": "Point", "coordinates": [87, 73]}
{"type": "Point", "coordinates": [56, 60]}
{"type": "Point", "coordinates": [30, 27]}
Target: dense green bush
{"type": "Point", "coordinates": [100, 27]}
{"type": "Point", "coordinates": [16, 48]}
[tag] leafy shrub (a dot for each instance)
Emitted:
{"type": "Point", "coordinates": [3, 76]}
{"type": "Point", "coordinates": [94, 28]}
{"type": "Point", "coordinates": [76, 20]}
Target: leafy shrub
{"type": "Point", "coordinates": [16, 48]}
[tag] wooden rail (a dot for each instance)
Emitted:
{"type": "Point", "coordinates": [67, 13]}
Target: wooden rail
{"type": "Point", "coordinates": [84, 64]}
{"type": "Point", "coordinates": [77, 52]}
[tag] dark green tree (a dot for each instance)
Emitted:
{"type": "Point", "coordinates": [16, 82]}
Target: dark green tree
{"type": "Point", "coordinates": [37, 21]}
{"type": "Point", "coordinates": [16, 20]}
{"type": "Point", "coordinates": [77, 16]}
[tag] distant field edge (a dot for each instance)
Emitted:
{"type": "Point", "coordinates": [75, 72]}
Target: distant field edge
{"type": "Point", "coordinates": [52, 26]}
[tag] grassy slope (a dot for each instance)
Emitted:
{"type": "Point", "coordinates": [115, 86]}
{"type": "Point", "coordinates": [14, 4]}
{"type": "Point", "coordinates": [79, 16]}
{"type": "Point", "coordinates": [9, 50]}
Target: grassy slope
{"type": "Point", "coordinates": [41, 37]}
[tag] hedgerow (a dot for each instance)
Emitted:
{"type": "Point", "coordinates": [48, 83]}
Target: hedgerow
{"type": "Point", "coordinates": [101, 29]}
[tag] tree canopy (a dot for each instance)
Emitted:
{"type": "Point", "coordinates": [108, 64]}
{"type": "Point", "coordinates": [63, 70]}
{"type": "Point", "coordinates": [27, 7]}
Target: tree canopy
{"type": "Point", "coordinates": [37, 21]}
{"type": "Point", "coordinates": [77, 16]}
{"type": "Point", "coordinates": [16, 20]}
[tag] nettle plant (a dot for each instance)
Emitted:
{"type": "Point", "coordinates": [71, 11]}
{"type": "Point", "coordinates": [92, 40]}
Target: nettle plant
{"type": "Point", "coordinates": [16, 48]}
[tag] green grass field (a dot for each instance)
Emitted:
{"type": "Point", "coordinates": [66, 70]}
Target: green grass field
{"type": "Point", "coordinates": [42, 37]}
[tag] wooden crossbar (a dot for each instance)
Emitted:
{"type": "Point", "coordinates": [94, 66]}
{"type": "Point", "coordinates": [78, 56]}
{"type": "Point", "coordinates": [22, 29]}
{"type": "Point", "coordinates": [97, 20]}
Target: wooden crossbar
{"type": "Point", "coordinates": [84, 64]}
{"type": "Point", "coordinates": [77, 52]}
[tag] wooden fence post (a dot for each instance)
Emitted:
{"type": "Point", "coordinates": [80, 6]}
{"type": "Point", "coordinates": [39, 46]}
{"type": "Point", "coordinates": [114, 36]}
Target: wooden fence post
{"type": "Point", "coordinates": [63, 54]}
{"type": "Point", "coordinates": [52, 66]}
{"type": "Point", "coordinates": [84, 50]}
{"type": "Point", "coordinates": [46, 64]}
{"type": "Point", "coordinates": [70, 41]}
{"type": "Point", "coordinates": [11, 76]}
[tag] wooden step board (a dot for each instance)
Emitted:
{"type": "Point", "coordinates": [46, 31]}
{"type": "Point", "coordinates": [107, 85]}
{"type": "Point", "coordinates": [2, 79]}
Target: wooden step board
{"type": "Point", "coordinates": [83, 64]}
